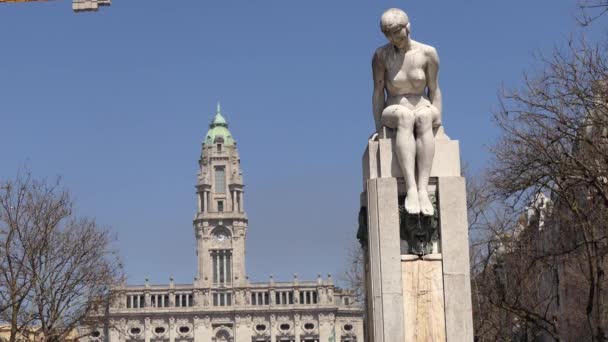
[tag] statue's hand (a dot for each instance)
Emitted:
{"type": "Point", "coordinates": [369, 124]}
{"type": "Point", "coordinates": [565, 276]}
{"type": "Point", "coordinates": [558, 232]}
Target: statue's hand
{"type": "Point", "coordinates": [436, 117]}
{"type": "Point", "coordinates": [437, 123]}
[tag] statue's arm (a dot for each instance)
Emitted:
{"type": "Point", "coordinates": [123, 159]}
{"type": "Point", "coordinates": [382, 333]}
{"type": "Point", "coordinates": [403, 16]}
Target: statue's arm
{"type": "Point", "coordinates": [378, 99]}
{"type": "Point", "coordinates": [432, 77]}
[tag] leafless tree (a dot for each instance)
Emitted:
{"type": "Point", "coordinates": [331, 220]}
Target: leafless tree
{"type": "Point", "coordinates": [354, 275]}
{"type": "Point", "coordinates": [591, 10]}
{"type": "Point", "coordinates": [57, 269]}
{"type": "Point", "coordinates": [542, 273]}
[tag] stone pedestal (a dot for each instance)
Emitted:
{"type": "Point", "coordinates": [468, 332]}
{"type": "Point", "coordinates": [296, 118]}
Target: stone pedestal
{"type": "Point", "coordinates": [412, 298]}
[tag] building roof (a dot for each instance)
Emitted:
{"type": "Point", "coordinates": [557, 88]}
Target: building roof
{"type": "Point", "coordinates": [219, 128]}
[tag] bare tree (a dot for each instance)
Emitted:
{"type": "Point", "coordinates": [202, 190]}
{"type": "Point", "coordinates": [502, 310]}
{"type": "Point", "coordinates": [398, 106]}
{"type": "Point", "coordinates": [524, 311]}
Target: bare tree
{"type": "Point", "coordinates": [591, 10]}
{"type": "Point", "coordinates": [57, 269]}
{"type": "Point", "coordinates": [554, 141]}
{"type": "Point", "coordinates": [354, 275]}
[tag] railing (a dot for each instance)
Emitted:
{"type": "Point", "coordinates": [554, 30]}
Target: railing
{"type": "Point", "coordinates": [254, 295]}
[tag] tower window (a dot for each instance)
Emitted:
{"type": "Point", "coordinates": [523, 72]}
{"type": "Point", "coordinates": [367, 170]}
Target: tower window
{"type": "Point", "coordinates": [220, 206]}
{"type": "Point", "coordinates": [220, 180]}
{"type": "Point", "coordinates": [222, 266]}
{"type": "Point", "coordinates": [219, 147]}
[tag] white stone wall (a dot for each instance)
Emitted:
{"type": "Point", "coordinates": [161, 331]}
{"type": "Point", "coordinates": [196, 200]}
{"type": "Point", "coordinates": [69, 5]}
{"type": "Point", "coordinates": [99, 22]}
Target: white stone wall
{"type": "Point", "coordinates": [261, 325]}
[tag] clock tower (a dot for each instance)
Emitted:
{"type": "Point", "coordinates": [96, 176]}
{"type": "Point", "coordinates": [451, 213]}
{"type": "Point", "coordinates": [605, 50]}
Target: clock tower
{"type": "Point", "coordinates": [220, 223]}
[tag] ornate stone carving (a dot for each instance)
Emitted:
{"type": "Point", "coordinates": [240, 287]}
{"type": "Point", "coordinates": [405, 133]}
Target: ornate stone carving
{"type": "Point", "coordinates": [419, 231]}
{"type": "Point", "coordinates": [330, 294]}
{"type": "Point", "coordinates": [322, 295]}
{"type": "Point", "coordinates": [239, 297]}
{"type": "Point", "coordinates": [160, 328]}
{"type": "Point", "coordinates": [182, 321]}
{"type": "Point", "coordinates": [221, 319]}
{"type": "Point", "coordinates": [184, 328]}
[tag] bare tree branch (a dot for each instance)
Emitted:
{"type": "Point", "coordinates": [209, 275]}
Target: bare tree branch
{"type": "Point", "coordinates": [57, 269]}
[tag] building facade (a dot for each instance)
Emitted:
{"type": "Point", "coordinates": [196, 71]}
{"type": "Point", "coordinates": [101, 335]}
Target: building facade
{"type": "Point", "coordinates": [222, 305]}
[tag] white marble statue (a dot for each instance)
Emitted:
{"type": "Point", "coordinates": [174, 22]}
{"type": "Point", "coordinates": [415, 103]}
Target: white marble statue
{"type": "Point", "coordinates": [407, 97]}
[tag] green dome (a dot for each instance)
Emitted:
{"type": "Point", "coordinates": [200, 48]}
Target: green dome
{"type": "Point", "coordinates": [219, 129]}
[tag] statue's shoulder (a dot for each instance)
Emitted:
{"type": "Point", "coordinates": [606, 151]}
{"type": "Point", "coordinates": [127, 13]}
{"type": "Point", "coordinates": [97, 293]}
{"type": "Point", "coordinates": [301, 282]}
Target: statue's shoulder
{"type": "Point", "coordinates": [381, 53]}
{"type": "Point", "coordinates": [428, 50]}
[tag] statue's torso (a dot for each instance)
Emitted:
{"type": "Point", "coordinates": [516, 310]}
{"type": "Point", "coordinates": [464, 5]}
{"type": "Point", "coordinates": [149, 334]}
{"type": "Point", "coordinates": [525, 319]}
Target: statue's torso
{"type": "Point", "coordinates": [405, 72]}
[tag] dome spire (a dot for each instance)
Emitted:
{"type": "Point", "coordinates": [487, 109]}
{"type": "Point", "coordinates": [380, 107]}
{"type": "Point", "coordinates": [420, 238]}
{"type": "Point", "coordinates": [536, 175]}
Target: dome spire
{"type": "Point", "coordinates": [219, 128]}
{"type": "Point", "coordinates": [218, 120]}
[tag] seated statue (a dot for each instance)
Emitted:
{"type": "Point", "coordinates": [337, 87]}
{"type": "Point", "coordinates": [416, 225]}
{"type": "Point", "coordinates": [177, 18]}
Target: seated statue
{"type": "Point", "coordinates": [407, 98]}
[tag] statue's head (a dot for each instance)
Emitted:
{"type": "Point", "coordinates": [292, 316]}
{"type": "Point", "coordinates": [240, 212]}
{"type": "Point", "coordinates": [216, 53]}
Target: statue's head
{"type": "Point", "coordinates": [395, 25]}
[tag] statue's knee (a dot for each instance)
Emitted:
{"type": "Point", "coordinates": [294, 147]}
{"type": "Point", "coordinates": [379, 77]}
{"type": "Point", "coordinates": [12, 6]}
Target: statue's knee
{"type": "Point", "coordinates": [424, 117]}
{"type": "Point", "coordinates": [397, 115]}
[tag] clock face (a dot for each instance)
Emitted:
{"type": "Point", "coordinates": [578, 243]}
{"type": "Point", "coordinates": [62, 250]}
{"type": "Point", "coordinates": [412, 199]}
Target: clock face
{"type": "Point", "coordinates": [220, 237]}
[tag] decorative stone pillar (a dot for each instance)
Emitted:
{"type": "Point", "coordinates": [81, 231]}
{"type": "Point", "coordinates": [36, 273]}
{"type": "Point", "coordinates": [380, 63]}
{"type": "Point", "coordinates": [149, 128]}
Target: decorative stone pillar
{"type": "Point", "coordinates": [242, 330]}
{"type": "Point", "coordinates": [115, 331]}
{"type": "Point", "coordinates": [273, 328]}
{"type": "Point", "coordinates": [326, 326]}
{"type": "Point", "coordinates": [172, 332]}
{"type": "Point", "coordinates": [297, 327]}
{"type": "Point", "coordinates": [202, 329]}
{"type": "Point", "coordinates": [147, 330]}
{"type": "Point", "coordinates": [199, 203]}
{"type": "Point", "coordinates": [242, 201]}
{"type": "Point", "coordinates": [205, 202]}
{"type": "Point", "coordinates": [235, 202]}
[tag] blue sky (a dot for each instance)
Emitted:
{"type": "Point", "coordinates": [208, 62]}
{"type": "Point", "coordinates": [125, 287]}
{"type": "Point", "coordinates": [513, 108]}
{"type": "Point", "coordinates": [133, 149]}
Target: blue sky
{"type": "Point", "coordinates": [117, 103]}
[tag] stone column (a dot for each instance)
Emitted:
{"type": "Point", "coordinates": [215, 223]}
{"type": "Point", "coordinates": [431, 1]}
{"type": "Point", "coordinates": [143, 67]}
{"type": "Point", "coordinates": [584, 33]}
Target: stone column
{"type": "Point", "coordinates": [202, 329]}
{"type": "Point", "coordinates": [359, 330]}
{"type": "Point", "coordinates": [172, 329]}
{"type": "Point", "coordinates": [199, 202]}
{"type": "Point", "coordinates": [326, 326]}
{"type": "Point", "coordinates": [205, 202]}
{"type": "Point", "coordinates": [238, 256]}
{"type": "Point", "coordinates": [147, 328]}
{"type": "Point", "coordinates": [273, 328]}
{"type": "Point", "coordinates": [235, 203]}
{"type": "Point", "coordinates": [242, 202]}
{"type": "Point", "coordinates": [455, 250]}
{"type": "Point", "coordinates": [384, 281]}
{"type": "Point", "coordinates": [272, 294]}
{"type": "Point", "coordinates": [113, 332]}
{"type": "Point", "coordinates": [297, 327]}
{"type": "Point", "coordinates": [242, 330]}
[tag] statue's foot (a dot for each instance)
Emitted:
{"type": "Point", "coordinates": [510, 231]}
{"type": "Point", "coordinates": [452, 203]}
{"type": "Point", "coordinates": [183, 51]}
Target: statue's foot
{"type": "Point", "coordinates": [426, 207]}
{"type": "Point", "coordinates": [412, 205]}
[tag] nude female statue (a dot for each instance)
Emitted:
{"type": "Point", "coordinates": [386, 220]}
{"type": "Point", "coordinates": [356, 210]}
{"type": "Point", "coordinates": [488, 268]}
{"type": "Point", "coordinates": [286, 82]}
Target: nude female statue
{"type": "Point", "coordinates": [407, 71]}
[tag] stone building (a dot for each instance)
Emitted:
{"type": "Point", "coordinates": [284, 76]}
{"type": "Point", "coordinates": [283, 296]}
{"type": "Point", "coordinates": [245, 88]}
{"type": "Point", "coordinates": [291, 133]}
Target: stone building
{"type": "Point", "coordinates": [222, 305]}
